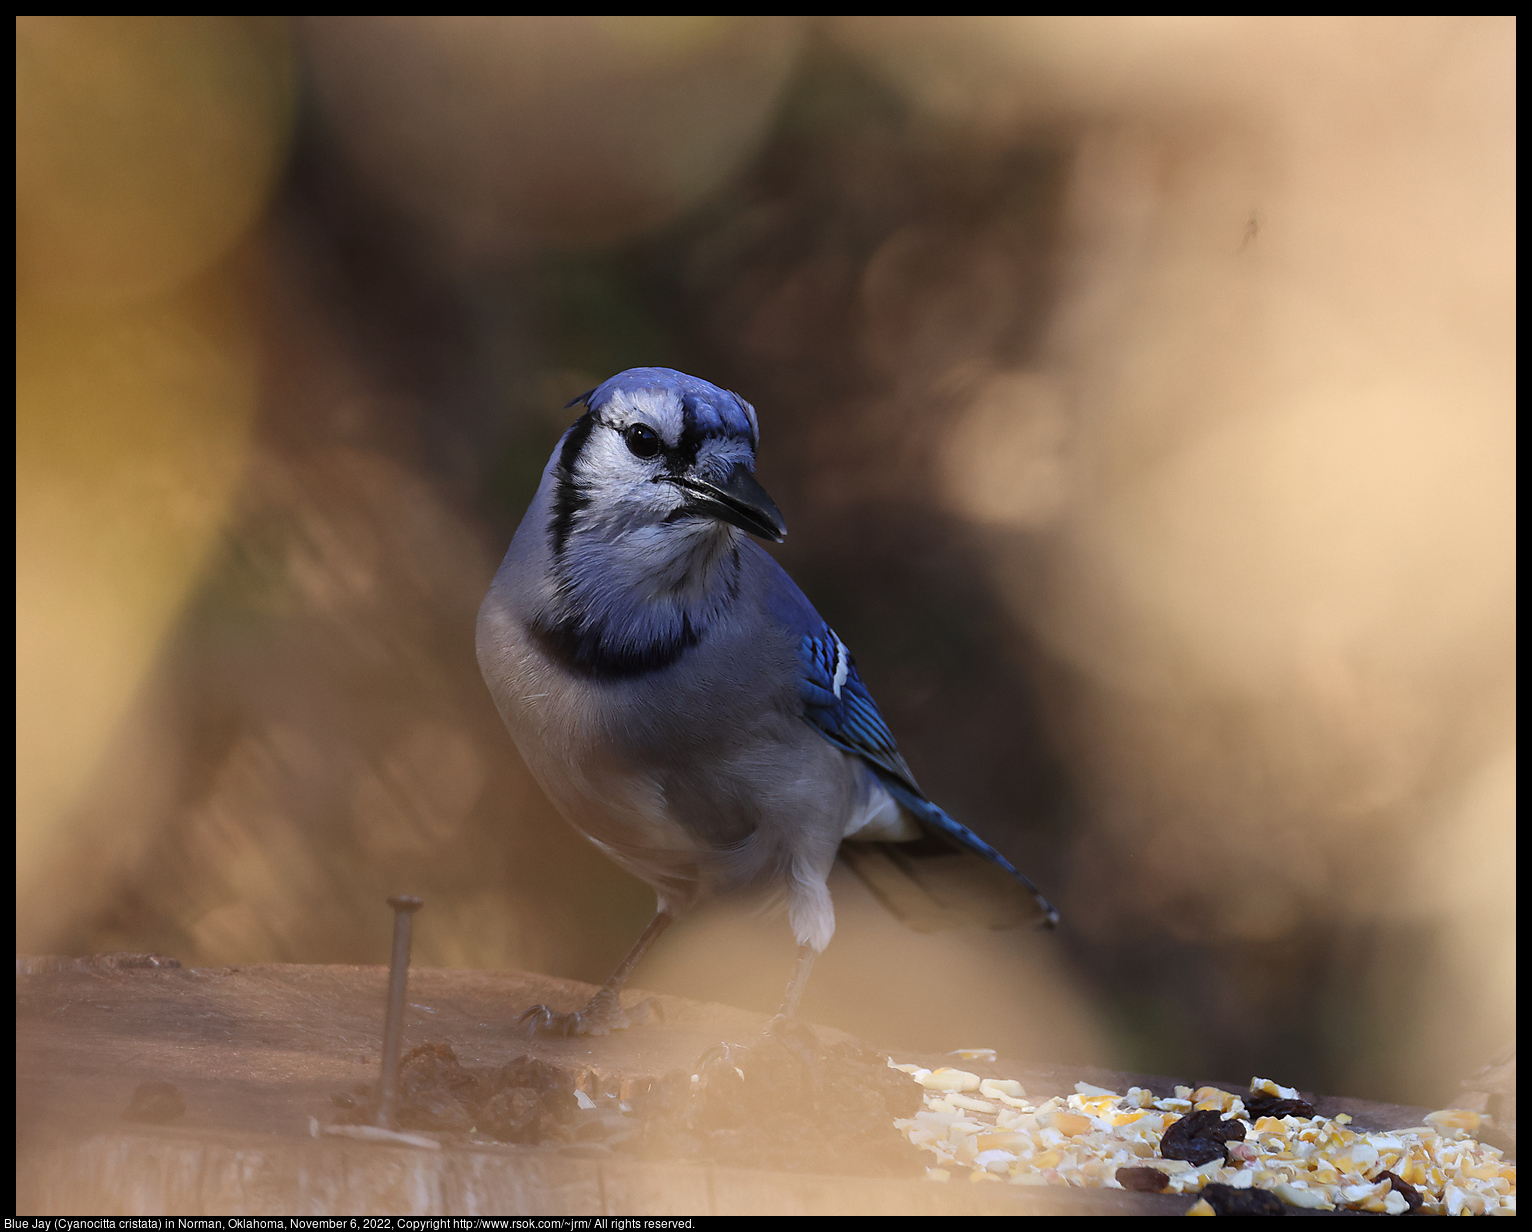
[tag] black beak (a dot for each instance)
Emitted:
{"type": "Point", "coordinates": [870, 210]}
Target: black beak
{"type": "Point", "coordinates": [739, 501]}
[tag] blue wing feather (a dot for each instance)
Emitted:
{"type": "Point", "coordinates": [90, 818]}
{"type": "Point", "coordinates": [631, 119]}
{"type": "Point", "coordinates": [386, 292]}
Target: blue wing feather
{"type": "Point", "coordinates": [848, 718]}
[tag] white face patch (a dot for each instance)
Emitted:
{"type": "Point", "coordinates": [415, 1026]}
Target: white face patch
{"type": "Point", "coordinates": [626, 494]}
{"type": "Point", "coordinates": [643, 538]}
{"type": "Point", "coordinates": [656, 407]}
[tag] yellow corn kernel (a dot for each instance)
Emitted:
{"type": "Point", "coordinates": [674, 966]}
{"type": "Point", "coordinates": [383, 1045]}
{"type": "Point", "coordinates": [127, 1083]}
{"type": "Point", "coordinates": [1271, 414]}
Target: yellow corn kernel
{"type": "Point", "coordinates": [1210, 1098]}
{"type": "Point", "coordinates": [995, 1088]}
{"type": "Point", "coordinates": [1314, 1199]}
{"type": "Point", "coordinates": [1097, 1105]}
{"type": "Point", "coordinates": [974, 1054]}
{"type": "Point", "coordinates": [948, 1079]}
{"type": "Point", "coordinates": [1455, 1118]}
{"type": "Point", "coordinates": [1071, 1124]}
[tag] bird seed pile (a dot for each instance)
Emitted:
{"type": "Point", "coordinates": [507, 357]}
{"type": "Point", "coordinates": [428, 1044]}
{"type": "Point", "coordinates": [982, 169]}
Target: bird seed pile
{"type": "Point", "coordinates": [787, 1102]}
{"type": "Point", "coordinates": [1210, 1142]}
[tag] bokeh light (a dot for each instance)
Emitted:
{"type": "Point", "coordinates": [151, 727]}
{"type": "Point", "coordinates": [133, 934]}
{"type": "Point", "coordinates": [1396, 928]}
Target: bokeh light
{"type": "Point", "coordinates": [1139, 393]}
{"type": "Point", "coordinates": [146, 149]}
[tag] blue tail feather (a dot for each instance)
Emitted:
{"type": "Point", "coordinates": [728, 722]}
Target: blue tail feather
{"type": "Point", "coordinates": [933, 818]}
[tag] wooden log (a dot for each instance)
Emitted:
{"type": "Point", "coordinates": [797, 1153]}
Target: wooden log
{"type": "Point", "coordinates": [255, 1054]}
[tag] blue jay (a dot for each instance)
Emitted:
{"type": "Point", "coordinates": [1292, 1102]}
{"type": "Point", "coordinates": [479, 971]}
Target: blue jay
{"type": "Point", "coordinates": [685, 707]}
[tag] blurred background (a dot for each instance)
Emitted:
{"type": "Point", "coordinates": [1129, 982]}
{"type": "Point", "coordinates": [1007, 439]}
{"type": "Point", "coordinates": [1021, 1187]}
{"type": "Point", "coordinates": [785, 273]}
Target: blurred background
{"type": "Point", "coordinates": [1138, 393]}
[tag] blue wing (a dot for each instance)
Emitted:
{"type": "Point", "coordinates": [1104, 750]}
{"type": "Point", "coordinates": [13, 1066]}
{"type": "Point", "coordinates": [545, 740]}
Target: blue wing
{"type": "Point", "coordinates": [837, 702]}
{"type": "Point", "coordinates": [838, 705]}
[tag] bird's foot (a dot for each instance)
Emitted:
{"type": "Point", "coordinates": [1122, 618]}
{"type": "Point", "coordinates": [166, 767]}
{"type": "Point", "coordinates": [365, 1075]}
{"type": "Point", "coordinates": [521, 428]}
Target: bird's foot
{"type": "Point", "coordinates": [788, 1028]}
{"type": "Point", "coordinates": [603, 1015]}
{"type": "Point", "coordinates": [722, 1052]}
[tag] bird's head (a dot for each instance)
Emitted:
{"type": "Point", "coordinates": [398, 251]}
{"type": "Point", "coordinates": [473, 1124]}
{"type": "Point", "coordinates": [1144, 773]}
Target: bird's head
{"type": "Point", "coordinates": [659, 454]}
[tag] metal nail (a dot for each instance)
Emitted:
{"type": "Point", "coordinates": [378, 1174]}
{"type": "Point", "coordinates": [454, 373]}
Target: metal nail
{"type": "Point", "coordinates": [404, 907]}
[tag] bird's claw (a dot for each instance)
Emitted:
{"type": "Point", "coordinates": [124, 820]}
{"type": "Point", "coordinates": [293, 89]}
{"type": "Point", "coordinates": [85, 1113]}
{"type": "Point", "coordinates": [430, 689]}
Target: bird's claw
{"type": "Point", "coordinates": [603, 1015]}
{"type": "Point", "coordinates": [791, 1031]}
{"type": "Point", "coordinates": [540, 1020]}
{"type": "Point", "coordinates": [721, 1052]}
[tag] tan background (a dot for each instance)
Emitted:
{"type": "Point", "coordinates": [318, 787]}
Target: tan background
{"type": "Point", "coordinates": [1138, 392]}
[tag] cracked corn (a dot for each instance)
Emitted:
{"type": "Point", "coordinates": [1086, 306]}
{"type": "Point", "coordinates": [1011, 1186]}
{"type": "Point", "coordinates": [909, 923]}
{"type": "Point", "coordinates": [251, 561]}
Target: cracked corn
{"type": "Point", "coordinates": [989, 1131]}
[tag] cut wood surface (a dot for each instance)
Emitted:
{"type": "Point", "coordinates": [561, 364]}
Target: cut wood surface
{"type": "Point", "coordinates": [256, 1053]}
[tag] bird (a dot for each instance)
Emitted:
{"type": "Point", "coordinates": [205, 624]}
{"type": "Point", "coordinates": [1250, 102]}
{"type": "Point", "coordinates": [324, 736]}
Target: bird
{"type": "Point", "coordinates": [685, 707]}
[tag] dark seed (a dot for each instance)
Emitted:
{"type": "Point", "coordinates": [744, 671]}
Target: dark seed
{"type": "Point", "coordinates": [435, 1091]}
{"type": "Point", "coordinates": [1272, 1106]}
{"type": "Point", "coordinates": [1226, 1200]}
{"type": "Point", "coordinates": [1142, 1180]}
{"type": "Point", "coordinates": [1401, 1187]}
{"type": "Point", "coordinates": [1199, 1137]}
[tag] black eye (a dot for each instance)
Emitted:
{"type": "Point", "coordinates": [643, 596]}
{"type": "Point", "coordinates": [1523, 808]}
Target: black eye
{"type": "Point", "coordinates": [643, 441]}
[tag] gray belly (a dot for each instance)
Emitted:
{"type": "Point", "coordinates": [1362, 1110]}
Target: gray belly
{"type": "Point", "coordinates": [672, 776]}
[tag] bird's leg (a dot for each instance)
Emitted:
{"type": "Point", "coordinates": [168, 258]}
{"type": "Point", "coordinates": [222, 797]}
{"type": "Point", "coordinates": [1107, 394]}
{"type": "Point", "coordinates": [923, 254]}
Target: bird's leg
{"type": "Point", "coordinates": [604, 1012]}
{"type": "Point", "coordinates": [806, 956]}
